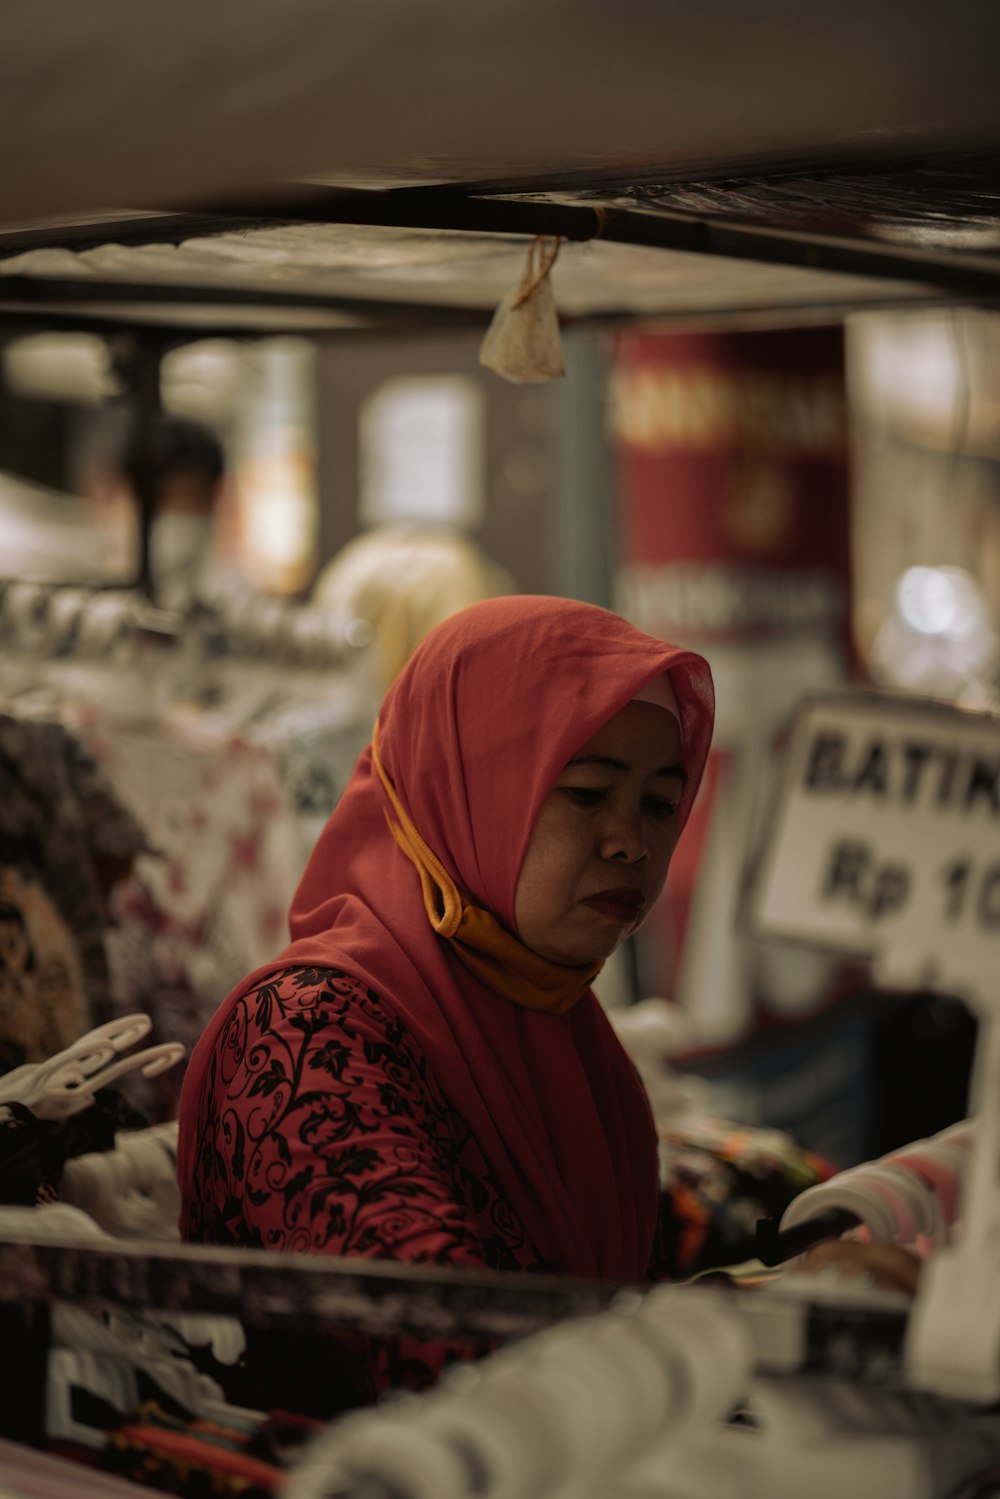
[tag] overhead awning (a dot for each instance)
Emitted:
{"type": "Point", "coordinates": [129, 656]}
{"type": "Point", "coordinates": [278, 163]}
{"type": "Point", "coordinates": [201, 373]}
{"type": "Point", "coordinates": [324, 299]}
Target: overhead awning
{"type": "Point", "coordinates": [328, 277]}
{"type": "Point", "coordinates": [326, 165]}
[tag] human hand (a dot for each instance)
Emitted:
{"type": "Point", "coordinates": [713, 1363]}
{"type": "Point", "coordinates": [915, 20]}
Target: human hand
{"type": "Point", "coordinates": [883, 1265]}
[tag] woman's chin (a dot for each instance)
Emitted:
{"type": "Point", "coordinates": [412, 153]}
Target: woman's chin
{"type": "Point", "coordinates": [579, 956]}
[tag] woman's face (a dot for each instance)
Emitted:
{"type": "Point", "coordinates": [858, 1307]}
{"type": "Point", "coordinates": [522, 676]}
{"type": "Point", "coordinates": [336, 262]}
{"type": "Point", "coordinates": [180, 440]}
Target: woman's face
{"type": "Point", "coordinates": [601, 845]}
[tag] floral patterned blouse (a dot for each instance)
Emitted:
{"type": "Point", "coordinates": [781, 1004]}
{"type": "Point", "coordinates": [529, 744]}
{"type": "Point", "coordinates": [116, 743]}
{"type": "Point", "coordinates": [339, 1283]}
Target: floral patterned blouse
{"type": "Point", "coordinates": [322, 1128]}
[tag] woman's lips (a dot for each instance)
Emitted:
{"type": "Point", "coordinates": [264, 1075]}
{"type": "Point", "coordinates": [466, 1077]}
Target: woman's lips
{"type": "Point", "coordinates": [621, 906]}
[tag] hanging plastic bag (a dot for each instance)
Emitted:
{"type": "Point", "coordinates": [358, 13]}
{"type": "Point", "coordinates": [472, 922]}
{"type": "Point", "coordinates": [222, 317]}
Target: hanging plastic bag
{"type": "Point", "coordinates": [522, 342]}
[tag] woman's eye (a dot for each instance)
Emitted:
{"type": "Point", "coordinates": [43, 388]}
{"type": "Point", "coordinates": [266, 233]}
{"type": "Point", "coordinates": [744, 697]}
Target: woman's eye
{"type": "Point", "coordinates": [585, 796]}
{"type": "Point", "coordinates": [658, 806]}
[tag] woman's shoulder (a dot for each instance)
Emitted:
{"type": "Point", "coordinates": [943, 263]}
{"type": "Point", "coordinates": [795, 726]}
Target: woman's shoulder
{"type": "Point", "coordinates": [307, 999]}
{"type": "Point", "coordinates": [298, 1032]}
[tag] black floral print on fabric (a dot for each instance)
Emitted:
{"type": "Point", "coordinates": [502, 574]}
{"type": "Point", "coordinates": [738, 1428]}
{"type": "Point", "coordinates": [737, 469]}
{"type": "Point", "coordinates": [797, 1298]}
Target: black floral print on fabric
{"type": "Point", "coordinates": [322, 1128]}
{"type": "Point", "coordinates": [65, 842]}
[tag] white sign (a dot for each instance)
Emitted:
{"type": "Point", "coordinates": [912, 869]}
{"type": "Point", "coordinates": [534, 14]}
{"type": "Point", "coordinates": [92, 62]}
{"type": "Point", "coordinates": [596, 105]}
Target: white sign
{"type": "Point", "coordinates": [885, 841]}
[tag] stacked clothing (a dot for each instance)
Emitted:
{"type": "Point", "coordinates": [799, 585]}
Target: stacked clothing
{"type": "Point", "coordinates": [237, 1453]}
{"type": "Point", "coordinates": [717, 1181]}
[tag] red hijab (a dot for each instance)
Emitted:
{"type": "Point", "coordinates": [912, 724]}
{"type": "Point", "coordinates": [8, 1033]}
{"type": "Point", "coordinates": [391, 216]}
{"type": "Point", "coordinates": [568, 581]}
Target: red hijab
{"type": "Point", "coordinates": [472, 735]}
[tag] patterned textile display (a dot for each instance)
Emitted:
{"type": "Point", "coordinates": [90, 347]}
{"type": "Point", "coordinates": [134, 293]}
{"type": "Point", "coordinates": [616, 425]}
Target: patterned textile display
{"type": "Point", "coordinates": [65, 840]}
{"type": "Point", "coordinates": [154, 880]}
{"type": "Point", "coordinates": [194, 1459]}
{"type": "Point", "coordinates": [717, 1180]}
{"type": "Point", "coordinates": [209, 898]}
{"type": "Point", "coordinates": [160, 1445]}
{"type": "Point", "coordinates": [312, 725]}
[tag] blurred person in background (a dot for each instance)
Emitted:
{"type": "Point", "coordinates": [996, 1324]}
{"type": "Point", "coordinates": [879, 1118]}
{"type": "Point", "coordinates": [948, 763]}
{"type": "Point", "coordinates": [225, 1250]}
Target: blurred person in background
{"type": "Point", "coordinates": [181, 463]}
{"type": "Point", "coordinates": [403, 578]}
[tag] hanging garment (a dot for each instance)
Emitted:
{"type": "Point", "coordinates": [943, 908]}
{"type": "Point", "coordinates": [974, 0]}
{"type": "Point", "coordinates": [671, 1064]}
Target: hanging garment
{"type": "Point", "coordinates": [312, 722]}
{"type": "Point", "coordinates": [65, 841]}
{"type": "Point", "coordinates": [208, 900]}
{"type": "Point", "coordinates": [227, 823]}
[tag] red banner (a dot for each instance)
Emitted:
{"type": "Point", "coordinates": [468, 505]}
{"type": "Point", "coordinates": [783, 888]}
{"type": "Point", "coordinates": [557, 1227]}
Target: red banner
{"type": "Point", "coordinates": [734, 493]}
{"type": "Point", "coordinates": [734, 482]}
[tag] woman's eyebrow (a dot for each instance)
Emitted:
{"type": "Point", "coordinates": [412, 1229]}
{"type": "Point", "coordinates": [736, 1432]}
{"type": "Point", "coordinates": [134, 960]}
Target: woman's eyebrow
{"type": "Point", "coordinates": [609, 763]}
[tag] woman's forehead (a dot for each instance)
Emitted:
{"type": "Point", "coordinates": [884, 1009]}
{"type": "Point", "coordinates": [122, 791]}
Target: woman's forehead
{"type": "Point", "coordinates": [641, 734]}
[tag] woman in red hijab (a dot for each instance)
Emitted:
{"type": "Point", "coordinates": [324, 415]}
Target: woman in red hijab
{"type": "Point", "coordinates": [424, 1074]}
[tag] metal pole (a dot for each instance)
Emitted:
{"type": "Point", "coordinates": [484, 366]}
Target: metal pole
{"type": "Point", "coordinates": [139, 368]}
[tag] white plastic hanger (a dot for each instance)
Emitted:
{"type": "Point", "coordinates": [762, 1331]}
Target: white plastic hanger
{"type": "Point", "coordinates": [100, 1044]}
{"type": "Point", "coordinates": [68, 1081]}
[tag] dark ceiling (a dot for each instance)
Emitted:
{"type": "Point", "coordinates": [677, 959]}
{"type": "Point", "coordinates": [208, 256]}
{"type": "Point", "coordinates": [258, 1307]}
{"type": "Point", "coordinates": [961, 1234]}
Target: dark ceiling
{"type": "Point", "coordinates": [326, 166]}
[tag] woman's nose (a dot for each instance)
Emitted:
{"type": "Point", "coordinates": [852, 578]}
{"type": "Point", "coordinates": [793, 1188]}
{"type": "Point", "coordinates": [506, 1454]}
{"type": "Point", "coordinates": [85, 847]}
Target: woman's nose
{"type": "Point", "coordinates": [623, 839]}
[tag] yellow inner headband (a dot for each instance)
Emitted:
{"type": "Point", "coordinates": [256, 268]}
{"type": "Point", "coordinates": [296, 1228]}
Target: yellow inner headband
{"type": "Point", "coordinates": [477, 939]}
